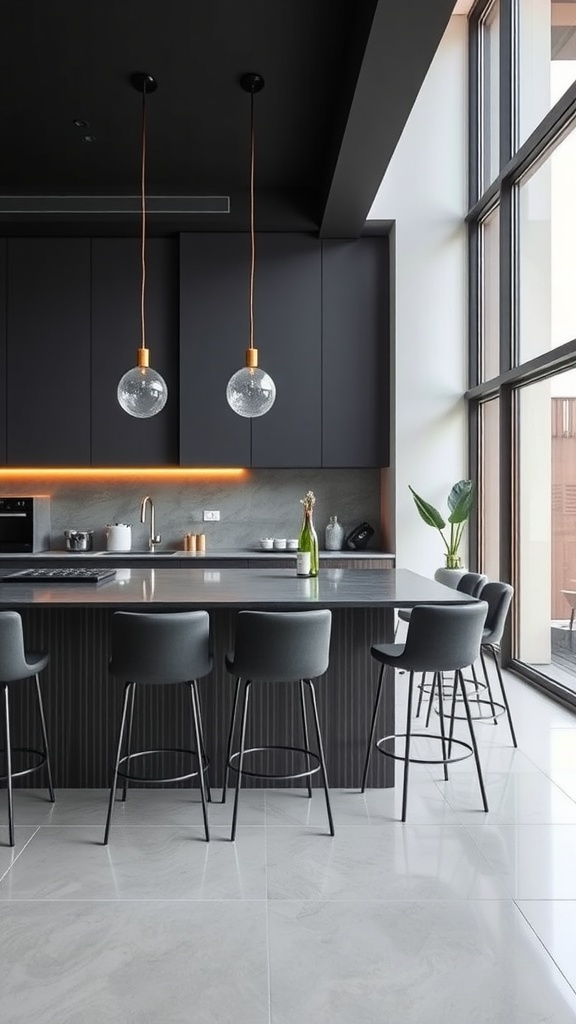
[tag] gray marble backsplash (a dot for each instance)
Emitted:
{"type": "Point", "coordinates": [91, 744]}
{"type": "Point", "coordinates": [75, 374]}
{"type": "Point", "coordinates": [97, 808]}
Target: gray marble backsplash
{"type": "Point", "coordinates": [265, 503]}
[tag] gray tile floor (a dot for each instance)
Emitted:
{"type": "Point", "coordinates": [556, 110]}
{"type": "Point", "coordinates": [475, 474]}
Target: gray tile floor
{"type": "Point", "coordinates": [457, 916]}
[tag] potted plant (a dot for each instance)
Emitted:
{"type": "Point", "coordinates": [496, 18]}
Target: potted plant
{"type": "Point", "coordinates": [459, 502]}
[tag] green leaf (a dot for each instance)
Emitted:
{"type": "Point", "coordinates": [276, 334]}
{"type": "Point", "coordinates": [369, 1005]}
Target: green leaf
{"type": "Point", "coordinates": [460, 501]}
{"type": "Point", "coordinates": [429, 514]}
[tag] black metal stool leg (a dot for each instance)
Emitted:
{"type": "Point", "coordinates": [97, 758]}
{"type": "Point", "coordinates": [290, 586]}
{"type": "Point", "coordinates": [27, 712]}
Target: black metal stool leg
{"type": "Point", "coordinates": [442, 726]}
{"type": "Point", "coordinates": [503, 691]}
{"type": "Point", "coordinates": [452, 716]}
{"type": "Point", "coordinates": [247, 686]}
{"type": "Point", "coordinates": [114, 783]}
{"type": "Point", "coordinates": [312, 692]}
{"type": "Point", "coordinates": [199, 755]}
{"type": "Point", "coordinates": [420, 694]}
{"type": "Point", "coordinates": [44, 738]}
{"type": "Point", "coordinates": [305, 731]}
{"type": "Point", "coordinates": [373, 727]}
{"type": "Point", "coordinates": [472, 737]}
{"type": "Point", "coordinates": [488, 686]}
{"type": "Point", "coordinates": [203, 748]}
{"type": "Point", "coordinates": [230, 738]}
{"type": "Point", "coordinates": [8, 767]}
{"type": "Point", "coordinates": [431, 700]}
{"type": "Point", "coordinates": [407, 747]}
{"type": "Point", "coordinates": [129, 742]}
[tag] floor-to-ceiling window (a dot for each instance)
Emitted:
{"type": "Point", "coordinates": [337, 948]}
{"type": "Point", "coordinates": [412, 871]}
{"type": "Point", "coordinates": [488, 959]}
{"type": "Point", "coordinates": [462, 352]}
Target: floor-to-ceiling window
{"type": "Point", "coordinates": [522, 397]}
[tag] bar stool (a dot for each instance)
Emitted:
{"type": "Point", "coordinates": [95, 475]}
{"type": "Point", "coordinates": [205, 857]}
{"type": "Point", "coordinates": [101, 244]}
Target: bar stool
{"type": "Point", "coordinates": [276, 648]}
{"type": "Point", "coordinates": [17, 665]}
{"type": "Point", "coordinates": [498, 596]}
{"type": "Point", "coordinates": [163, 649]}
{"type": "Point", "coordinates": [440, 638]}
{"type": "Point", "coordinates": [470, 583]}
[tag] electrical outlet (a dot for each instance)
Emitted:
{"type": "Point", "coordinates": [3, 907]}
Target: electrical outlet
{"type": "Point", "coordinates": [211, 517]}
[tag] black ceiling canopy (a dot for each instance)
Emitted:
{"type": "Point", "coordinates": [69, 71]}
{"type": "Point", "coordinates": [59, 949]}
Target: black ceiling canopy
{"type": "Point", "coordinates": [341, 78]}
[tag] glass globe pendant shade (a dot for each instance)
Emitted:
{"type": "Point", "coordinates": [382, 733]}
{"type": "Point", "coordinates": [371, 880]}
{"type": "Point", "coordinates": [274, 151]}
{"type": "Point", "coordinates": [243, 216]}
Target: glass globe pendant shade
{"type": "Point", "coordinates": [251, 391]}
{"type": "Point", "coordinates": [142, 391]}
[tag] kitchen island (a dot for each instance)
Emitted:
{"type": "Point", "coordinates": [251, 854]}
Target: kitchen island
{"type": "Point", "coordinates": [72, 622]}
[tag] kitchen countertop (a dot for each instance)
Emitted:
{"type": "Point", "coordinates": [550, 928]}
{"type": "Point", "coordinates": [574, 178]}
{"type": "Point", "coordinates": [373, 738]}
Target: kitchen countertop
{"type": "Point", "coordinates": [242, 553]}
{"type": "Point", "coordinates": [238, 588]}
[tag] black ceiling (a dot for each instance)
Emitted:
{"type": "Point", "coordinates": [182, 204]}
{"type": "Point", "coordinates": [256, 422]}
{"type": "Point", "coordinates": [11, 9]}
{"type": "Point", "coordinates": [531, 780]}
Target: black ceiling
{"type": "Point", "coordinates": [341, 77]}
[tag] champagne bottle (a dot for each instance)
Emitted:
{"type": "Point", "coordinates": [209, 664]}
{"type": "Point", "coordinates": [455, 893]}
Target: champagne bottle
{"type": "Point", "coordinates": [308, 543]}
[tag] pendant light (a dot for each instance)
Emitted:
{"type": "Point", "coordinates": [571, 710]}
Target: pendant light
{"type": "Point", "coordinates": [251, 391]}
{"type": "Point", "coordinates": [142, 391]}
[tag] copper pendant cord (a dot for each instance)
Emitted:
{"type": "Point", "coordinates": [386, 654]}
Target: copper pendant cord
{"type": "Point", "coordinates": [252, 238]}
{"type": "Point", "coordinates": [143, 209]}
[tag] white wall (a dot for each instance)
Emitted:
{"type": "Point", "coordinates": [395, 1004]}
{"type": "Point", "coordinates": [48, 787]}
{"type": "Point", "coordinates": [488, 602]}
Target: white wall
{"type": "Point", "coordinates": [425, 192]}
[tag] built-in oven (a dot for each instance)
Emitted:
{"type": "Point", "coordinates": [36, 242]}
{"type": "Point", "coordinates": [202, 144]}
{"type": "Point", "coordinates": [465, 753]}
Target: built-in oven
{"type": "Point", "coordinates": [24, 524]}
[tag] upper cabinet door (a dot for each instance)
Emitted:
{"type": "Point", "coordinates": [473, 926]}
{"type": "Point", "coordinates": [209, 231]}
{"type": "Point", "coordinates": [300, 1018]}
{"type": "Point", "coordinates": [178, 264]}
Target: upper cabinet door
{"type": "Point", "coordinates": [287, 334]}
{"type": "Point", "coordinates": [117, 438]}
{"type": "Point", "coordinates": [214, 306]}
{"type": "Point", "coordinates": [355, 353]}
{"type": "Point", "coordinates": [48, 360]}
{"type": "Point", "coordinates": [3, 350]}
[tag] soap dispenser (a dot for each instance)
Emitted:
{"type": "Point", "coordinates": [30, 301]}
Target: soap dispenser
{"type": "Point", "coordinates": [334, 535]}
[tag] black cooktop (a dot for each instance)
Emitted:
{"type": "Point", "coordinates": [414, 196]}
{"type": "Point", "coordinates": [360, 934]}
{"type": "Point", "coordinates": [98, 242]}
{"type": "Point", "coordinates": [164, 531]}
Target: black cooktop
{"type": "Point", "coordinates": [68, 575]}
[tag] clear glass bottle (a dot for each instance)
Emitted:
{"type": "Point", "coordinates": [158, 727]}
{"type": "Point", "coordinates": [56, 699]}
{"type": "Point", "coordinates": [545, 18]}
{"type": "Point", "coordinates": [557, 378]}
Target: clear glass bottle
{"type": "Point", "coordinates": [308, 541]}
{"type": "Point", "coordinates": [334, 535]}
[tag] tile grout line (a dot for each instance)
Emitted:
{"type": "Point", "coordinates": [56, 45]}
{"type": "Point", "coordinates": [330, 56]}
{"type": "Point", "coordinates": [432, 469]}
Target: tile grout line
{"type": "Point", "coordinates": [29, 840]}
{"type": "Point", "coordinates": [543, 944]}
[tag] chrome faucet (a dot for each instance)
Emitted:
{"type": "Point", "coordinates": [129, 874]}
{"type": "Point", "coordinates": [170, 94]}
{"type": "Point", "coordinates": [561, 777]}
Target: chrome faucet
{"type": "Point", "coordinates": [154, 538]}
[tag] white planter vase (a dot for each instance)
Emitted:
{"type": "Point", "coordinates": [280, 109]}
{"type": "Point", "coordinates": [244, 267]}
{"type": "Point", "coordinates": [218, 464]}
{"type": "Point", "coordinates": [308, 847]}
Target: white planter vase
{"type": "Point", "coordinates": [449, 577]}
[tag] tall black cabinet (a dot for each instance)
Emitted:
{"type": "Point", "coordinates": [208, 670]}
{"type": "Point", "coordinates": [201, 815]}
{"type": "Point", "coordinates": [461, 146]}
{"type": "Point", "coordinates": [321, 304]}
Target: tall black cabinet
{"type": "Point", "coordinates": [117, 438]}
{"type": "Point", "coordinates": [214, 314]}
{"type": "Point", "coordinates": [3, 350]}
{"type": "Point", "coordinates": [48, 352]}
{"type": "Point", "coordinates": [355, 352]}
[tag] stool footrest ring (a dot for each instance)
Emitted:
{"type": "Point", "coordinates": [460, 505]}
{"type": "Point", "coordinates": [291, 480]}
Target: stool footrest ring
{"type": "Point", "coordinates": [25, 771]}
{"type": "Point", "coordinates": [425, 736]}
{"type": "Point", "coordinates": [499, 709]}
{"type": "Point", "coordinates": [161, 750]}
{"type": "Point", "coordinates": [276, 775]}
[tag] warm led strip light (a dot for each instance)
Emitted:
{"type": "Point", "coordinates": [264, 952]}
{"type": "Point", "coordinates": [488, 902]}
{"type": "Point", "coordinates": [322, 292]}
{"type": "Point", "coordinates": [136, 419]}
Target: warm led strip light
{"type": "Point", "coordinates": [120, 474]}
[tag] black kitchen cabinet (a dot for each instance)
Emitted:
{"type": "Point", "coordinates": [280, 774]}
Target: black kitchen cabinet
{"type": "Point", "coordinates": [214, 311]}
{"type": "Point", "coordinates": [322, 328]}
{"type": "Point", "coordinates": [355, 353]}
{"type": "Point", "coordinates": [48, 352]}
{"type": "Point", "coordinates": [287, 335]}
{"type": "Point", "coordinates": [70, 327]}
{"type": "Point", "coordinates": [3, 284]}
{"type": "Point", "coordinates": [117, 438]}
{"type": "Point", "coordinates": [214, 333]}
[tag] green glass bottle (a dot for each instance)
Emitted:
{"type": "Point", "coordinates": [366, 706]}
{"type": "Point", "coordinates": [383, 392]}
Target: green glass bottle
{"type": "Point", "coordinates": [308, 542]}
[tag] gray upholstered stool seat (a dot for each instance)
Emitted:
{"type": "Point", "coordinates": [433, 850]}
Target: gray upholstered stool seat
{"type": "Point", "coordinates": [470, 583]}
{"type": "Point", "coordinates": [278, 648]}
{"type": "Point", "coordinates": [17, 665]}
{"type": "Point", "coordinates": [440, 639]}
{"type": "Point", "coordinates": [160, 649]}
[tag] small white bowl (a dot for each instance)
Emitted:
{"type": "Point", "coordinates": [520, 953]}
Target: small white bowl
{"type": "Point", "coordinates": [292, 544]}
{"type": "Point", "coordinates": [266, 543]}
{"type": "Point", "coordinates": [280, 544]}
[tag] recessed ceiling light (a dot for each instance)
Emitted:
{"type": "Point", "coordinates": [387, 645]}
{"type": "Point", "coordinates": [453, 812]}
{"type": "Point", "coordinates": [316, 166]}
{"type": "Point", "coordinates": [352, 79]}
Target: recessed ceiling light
{"type": "Point", "coordinates": [88, 138]}
{"type": "Point", "coordinates": [79, 123]}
